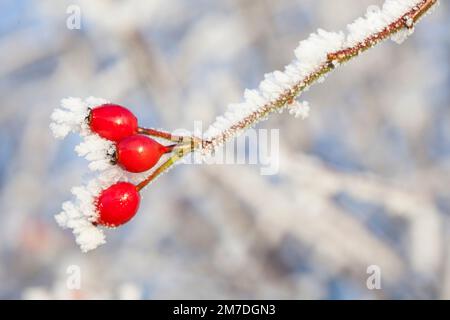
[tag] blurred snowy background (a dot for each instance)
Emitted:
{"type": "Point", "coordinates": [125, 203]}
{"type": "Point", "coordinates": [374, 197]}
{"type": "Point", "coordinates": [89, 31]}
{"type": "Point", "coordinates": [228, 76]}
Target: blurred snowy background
{"type": "Point", "coordinates": [364, 181]}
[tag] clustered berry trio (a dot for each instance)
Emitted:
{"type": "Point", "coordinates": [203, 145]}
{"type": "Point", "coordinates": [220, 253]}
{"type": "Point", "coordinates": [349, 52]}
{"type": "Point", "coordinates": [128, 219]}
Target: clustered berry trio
{"type": "Point", "coordinates": [126, 157]}
{"type": "Point", "coordinates": [134, 153]}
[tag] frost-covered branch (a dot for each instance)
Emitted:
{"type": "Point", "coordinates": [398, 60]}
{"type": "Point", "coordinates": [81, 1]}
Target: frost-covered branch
{"type": "Point", "coordinates": [317, 56]}
{"type": "Point", "coordinates": [110, 131]}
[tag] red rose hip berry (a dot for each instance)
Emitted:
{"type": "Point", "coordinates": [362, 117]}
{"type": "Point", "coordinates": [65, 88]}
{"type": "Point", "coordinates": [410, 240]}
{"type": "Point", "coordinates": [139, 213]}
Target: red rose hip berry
{"type": "Point", "coordinates": [113, 122]}
{"type": "Point", "coordinates": [117, 204]}
{"type": "Point", "coordinates": [139, 153]}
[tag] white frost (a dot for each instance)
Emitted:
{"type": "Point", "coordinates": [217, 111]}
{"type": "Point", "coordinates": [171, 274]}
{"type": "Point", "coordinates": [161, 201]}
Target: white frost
{"type": "Point", "coordinates": [400, 36]}
{"type": "Point", "coordinates": [300, 109]}
{"type": "Point", "coordinates": [310, 55]}
{"type": "Point", "coordinates": [71, 117]}
{"type": "Point", "coordinates": [97, 151]}
{"type": "Point", "coordinates": [78, 216]}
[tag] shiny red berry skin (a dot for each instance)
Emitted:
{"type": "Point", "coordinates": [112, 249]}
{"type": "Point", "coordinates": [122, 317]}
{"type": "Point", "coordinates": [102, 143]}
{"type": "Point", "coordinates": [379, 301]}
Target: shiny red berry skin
{"type": "Point", "coordinates": [139, 153]}
{"type": "Point", "coordinates": [113, 122]}
{"type": "Point", "coordinates": [117, 204]}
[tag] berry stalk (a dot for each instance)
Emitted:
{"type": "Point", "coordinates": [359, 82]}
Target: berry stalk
{"type": "Point", "coordinates": [179, 140]}
{"type": "Point", "coordinates": [161, 169]}
{"type": "Point", "coordinates": [160, 134]}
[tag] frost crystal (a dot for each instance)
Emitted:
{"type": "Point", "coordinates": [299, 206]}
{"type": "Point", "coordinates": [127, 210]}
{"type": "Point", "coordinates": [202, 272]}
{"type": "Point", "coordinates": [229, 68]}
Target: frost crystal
{"type": "Point", "coordinates": [300, 109]}
{"type": "Point", "coordinates": [97, 150]}
{"type": "Point", "coordinates": [71, 117]}
{"type": "Point", "coordinates": [78, 216]}
{"type": "Point", "coordinates": [402, 35]}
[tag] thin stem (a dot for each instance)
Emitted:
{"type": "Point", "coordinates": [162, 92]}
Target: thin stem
{"type": "Point", "coordinates": [419, 13]}
{"type": "Point", "coordinates": [179, 140]}
{"type": "Point", "coordinates": [178, 153]}
{"type": "Point", "coordinates": [160, 134]}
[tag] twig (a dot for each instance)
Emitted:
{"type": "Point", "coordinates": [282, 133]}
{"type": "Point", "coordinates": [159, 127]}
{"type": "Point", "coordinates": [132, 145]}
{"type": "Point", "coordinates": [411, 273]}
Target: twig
{"type": "Point", "coordinates": [334, 59]}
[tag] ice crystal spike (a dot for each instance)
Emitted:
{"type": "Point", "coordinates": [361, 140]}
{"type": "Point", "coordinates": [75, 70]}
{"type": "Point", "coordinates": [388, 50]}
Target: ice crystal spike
{"type": "Point", "coordinates": [300, 109]}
